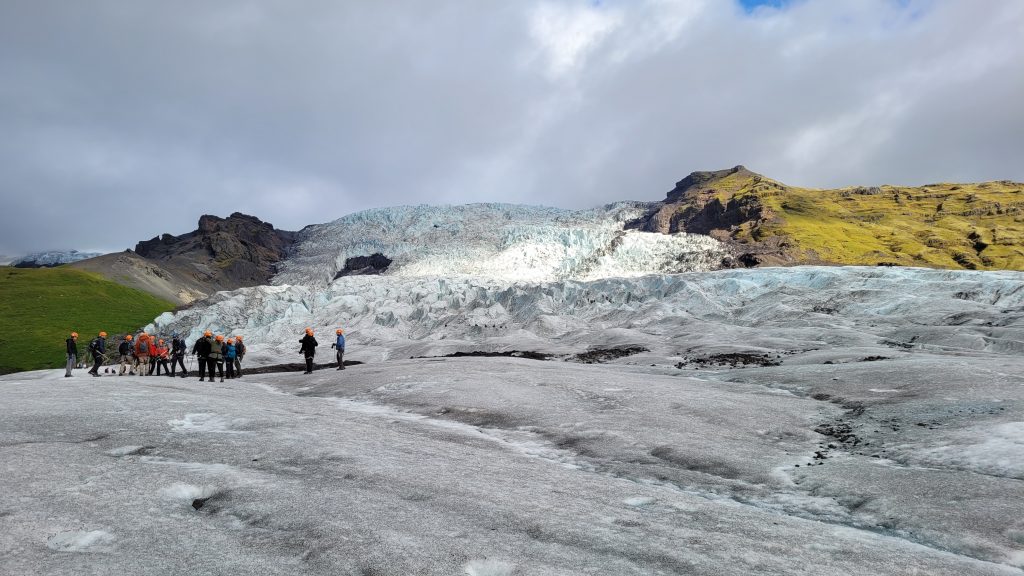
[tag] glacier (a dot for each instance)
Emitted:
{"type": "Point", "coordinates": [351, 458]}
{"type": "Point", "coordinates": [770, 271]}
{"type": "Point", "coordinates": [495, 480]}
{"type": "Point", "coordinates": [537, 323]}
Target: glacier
{"type": "Point", "coordinates": [663, 416]}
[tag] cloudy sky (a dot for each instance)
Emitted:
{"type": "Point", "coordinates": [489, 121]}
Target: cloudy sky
{"type": "Point", "coordinates": [123, 119]}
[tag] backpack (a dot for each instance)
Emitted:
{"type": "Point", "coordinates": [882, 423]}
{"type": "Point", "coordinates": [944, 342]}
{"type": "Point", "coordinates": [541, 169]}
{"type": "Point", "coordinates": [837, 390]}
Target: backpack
{"type": "Point", "coordinates": [94, 345]}
{"type": "Point", "coordinates": [144, 347]}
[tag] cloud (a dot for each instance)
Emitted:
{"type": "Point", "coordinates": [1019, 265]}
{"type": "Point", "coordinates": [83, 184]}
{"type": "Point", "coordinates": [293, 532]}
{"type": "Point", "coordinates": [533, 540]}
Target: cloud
{"type": "Point", "coordinates": [123, 121]}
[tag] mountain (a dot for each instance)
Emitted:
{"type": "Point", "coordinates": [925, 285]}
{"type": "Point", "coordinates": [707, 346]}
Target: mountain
{"type": "Point", "coordinates": [764, 222]}
{"type": "Point", "coordinates": [221, 254]}
{"type": "Point", "coordinates": [51, 258]}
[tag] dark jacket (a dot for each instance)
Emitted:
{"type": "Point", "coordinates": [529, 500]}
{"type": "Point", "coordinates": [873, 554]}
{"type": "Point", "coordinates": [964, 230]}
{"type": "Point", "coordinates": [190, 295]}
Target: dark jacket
{"type": "Point", "coordinates": [340, 344]}
{"type": "Point", "coordinates": [124, 348]}
{"type": "Point", "coordinates": [72, 347]}
{"type": "Point", "coordinates": [100, 346]}
{"type": "Point", "coordinates": [201, 348]}
{"type": "Point", "coordinates": [178, 347]}
{"type": "Point", "coordinates": [309, 345]}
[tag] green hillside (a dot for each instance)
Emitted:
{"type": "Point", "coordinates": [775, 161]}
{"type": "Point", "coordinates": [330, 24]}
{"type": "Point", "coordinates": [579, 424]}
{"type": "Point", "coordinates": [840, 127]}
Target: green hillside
{"type": "Point", "coordinates": [969, 226]}
{"type": "Point", "coordinates": [40, 307]}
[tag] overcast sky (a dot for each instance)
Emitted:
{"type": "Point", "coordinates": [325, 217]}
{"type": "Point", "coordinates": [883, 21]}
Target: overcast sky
{"type": "Point", "coordinates": [124, 119]}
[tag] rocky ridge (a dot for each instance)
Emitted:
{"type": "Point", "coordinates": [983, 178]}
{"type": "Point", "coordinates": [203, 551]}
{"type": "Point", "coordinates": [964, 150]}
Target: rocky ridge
{"type": "Point", "coordinates": [221, 254]}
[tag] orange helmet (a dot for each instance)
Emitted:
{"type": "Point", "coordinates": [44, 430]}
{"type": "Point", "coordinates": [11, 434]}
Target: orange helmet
{"type": "Point", "coordinates": [219, 338]}
{"type": "Point", "coordinates": [339, 331]}
{"type": "Point", "coordinates": [207, 333]}
{"type": "Point", "coordinates": [239, 337]}
{"type": "Point", "coordinates": [74, 334]}
{"type": "Point", "coordinates": [143, 336]}
{"type": "Point", "coordinates": [103, 334]}
{"type": "Point", "coordinates": [309, 331]}
{"type": "Point", "coordinates": [161, 342]}
{"type": "Point", "coordinates": [128, 337]}
{"type": "Point", "coordinates": [231, 340]}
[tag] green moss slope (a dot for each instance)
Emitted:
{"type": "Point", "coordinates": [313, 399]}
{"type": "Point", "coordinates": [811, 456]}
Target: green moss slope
{"type": "Point", "coordinates": [40, 307]}
{"type": "Point", "coordinates": [968, 226]}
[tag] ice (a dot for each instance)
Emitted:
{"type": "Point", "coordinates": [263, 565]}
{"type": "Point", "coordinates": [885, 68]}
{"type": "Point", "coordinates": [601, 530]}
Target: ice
{"type": "Point", "coordinates": [440, 466]}
{"type": "Point", "coordinates": [91, 541]}
{"type": "Point", "coordinates": [490, 567]}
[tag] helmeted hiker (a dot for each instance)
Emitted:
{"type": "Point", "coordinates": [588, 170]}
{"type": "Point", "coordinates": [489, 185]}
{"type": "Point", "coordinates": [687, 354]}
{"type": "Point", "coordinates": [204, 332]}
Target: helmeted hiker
{"type": "Point", "coordinates": [143, 351]}
{"type": "Point", "coordinates": [239, 353]}
{"type": "Point", "coordinates": [339, 345]}
{"type": "Point", "coordinates": [72, 343]}
{"type": "Point", "coordinates": [230, 353]}
{"type": "Point", "coordinates": [178, 355]}
{"type": "Point", "coordinates": [98, 347]}
{"type": "Point", "coordinates": [124, 354]}
{"type": "Point", "coordinates": [308, 349]}
{"type": "Point", "coordinates": [216, 357]}
{"type": "Point", "coordinates": [202, 351]}
{"type": "Point", "coordinates": [160, 358]}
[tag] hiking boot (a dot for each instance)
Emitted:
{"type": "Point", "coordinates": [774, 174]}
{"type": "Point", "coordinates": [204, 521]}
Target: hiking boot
{"type": "Point", "coordinates": [221, 378]}
{"type": "Point", "coordinates": [201, 380]}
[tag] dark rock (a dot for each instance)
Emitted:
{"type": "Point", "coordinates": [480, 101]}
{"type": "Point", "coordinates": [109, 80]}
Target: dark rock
{"type": "Point", "coordinates": [222, 253]}
{"type": "Point", "coordinates": [375, 263]}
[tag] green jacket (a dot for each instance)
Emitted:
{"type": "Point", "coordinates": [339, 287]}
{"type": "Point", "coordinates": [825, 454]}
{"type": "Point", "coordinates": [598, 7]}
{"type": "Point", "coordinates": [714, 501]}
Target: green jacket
{"type": "Point", "coordinates": [216, 350]}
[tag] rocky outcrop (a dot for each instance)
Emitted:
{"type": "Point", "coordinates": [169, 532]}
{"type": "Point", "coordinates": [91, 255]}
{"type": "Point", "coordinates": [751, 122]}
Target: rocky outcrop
{"type": "Point", "coordinates": [221, 254]}
{"type": "Point", "coordinates": [375, 263]}
{"type": "Point", "coordinates": [716, 204]}
{"type": "Point", "coordinates": [227, 253]}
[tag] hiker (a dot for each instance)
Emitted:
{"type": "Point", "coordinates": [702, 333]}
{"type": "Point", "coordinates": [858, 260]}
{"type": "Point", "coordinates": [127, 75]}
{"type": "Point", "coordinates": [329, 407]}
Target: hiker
{"type": "Point", "coordinates": [72, 343]}
{"type": "Point", "coordinates": [98, 347]}
{"type": "Point", "coordinates": [216, 357]}
{"type": "Point", "coordinates": [202, 351]}
{"type": "Point", "coordinates": [124, 355]}
{"type": "Point", "coordinates": [308, 349]}
{"type": "Point", "coordinates": [143, 350]}
{"type": "Point", "coordinates": [178, 355]}
{"type": "Point", "coordinates": [239, 352]}
{"type": "Point", "coordinates": [160, 358]}
{"type": "Point", "coordinates": [230, 354]}
{"type": "Point", "coordinates": [340, 347]}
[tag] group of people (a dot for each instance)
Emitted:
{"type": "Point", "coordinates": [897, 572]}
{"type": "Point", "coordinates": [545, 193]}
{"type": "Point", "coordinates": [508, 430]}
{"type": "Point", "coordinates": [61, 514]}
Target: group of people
{"type": "Point", "coordinates": [215, 352]}
{"type": "Point", "coordinates": [145, 354]}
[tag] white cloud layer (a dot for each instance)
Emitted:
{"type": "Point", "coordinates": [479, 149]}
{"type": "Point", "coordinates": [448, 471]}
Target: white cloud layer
{"type": "Point", "coordinates": [124, 120]}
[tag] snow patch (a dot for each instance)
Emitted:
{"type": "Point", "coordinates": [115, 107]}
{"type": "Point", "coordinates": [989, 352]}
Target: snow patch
{"type": "Point", "coordinates": [92, 541]}
{"type": "Point", "coordinates": [188, 492]}
{"type": "Point", "coordinates": [639, 501]}
{"type": "Point", "coordinates": [206, 422]}
{"type": "Point", "coordinates": [125, 451]}
{"type": "Point", "coordinates": [998, 451]}
{"type": "Point", "coordinates": [489, 567]}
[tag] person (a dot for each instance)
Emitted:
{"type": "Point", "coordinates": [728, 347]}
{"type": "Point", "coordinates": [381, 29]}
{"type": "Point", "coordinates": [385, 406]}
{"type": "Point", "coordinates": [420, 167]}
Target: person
{"type": "Point", "coordinates": [124, 355]}
{"type": "Point", "coordinates": [72, 343]}
{"type": "Point", "coordinates": [160, 358]}
{"type": "Point", "coordinates": [178, 355]}
{"type": "Point", "coordinates": [308, 349]}
{"type": "Point", "coordinates": [239, 352]}
{"type": "Point", "coordinates": [202, 351]}
{"type": "Point", "coordinates": [143, 350]}
{"type": "Point", "coordinates": [230, 353]}
{"type": "Point", "coordinates": [216, 357]}
{"type": "Point", "coordinates": [98, 347]}
{"type": "Point", "coordinates": [340, 347]}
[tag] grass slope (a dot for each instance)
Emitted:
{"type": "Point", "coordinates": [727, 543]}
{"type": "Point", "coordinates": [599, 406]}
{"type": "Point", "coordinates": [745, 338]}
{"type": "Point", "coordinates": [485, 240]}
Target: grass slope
{"type": "Point", "coordinates": [40, 307]}
{"type": "Point", "coordinates": [972, 226]}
